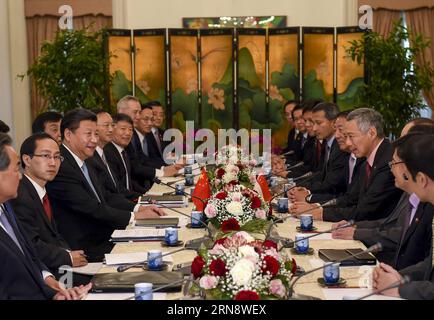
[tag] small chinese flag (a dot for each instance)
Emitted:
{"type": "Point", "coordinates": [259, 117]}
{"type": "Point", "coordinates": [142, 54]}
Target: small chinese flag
{"type": "Point", "coordinates": [202, 191]}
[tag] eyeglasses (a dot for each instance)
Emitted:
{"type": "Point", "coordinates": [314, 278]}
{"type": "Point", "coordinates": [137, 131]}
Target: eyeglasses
{"type": "Point", "coordinates": [392, 163]}
{"type": "Point", "coordinates": [49, 157]}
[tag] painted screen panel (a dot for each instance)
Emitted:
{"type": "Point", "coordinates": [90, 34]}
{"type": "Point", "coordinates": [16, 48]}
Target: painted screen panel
{"type": "Point", "coordinates": [251, 80]}
{"type": "Point", "coordinates": [150, 65]}
{"type": "Point", "coordinates": [119, 45]}
{"type": "Point", "coordinates": [284, 79]}
{"type": "Point", "coordinates": [183, 73]}
{"type": "Point", "coordinates": [318, 63]}
{"type": "Point", "coordinates": [217, 83]}
{"type": "Point", "coordinates": [350, 75]}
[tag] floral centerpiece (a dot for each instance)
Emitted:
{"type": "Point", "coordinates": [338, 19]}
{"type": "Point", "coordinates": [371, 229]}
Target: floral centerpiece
{"type": "Point", "coordinates": [239, 209]}
{"type": "Point", "coordinates": [242, 268]}
{"type": "Point", "coordinates": [232, 168]}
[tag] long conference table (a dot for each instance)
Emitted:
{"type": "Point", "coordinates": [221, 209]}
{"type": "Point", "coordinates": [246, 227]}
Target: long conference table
{"type": "Point", "coordinates": [357, 278]}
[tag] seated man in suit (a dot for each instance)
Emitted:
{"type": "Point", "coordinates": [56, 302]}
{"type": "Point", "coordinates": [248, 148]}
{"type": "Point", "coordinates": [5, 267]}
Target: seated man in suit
{"type": "Point", "coordinates": [406, 233]}
{"type": "Point", "coordinates": [22, 275]}
{"type": "Point", "coordinates": [158, 126]}
{"type": "Point", "coordinates": [374, 196]}
{"type": "Point", "coordinates": [99, 162]}
{"type": "Point", "coordinates": [117, 156]}
{"type": "Point", "coordinates": [142, 172]}
{"type": "Point", "coordinates": [330, 180]}
{"type": "Point", "coordinates": [146, 142]}
{"type": "Point", "coordinates": [288, 107]}
{"type": "Point", "coordinates": [40, 159]}
{"type": "Point", "coordinates": [84, 217]}
{"type": "Point", "coordinates": [416, 151]}
{"type": "Point", "coordinates": [48, 122]}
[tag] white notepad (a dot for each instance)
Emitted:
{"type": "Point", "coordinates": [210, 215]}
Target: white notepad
{"type": "Point", "coordinates": [142, 233]}
{"type": "Point", "coordinates": [90, 269]}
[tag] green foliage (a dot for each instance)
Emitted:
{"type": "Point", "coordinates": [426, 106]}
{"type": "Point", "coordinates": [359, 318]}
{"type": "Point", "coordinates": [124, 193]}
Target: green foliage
{"type": "Point", "coordinates": [395, 81]}
{"type": "Point", "coordinates": [72, 71]}
{"type": "Point", "coordinates": [313, 88]}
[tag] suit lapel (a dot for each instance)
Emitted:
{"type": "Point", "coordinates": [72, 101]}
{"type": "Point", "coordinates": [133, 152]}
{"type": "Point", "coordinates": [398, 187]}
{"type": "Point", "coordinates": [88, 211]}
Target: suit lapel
{"type": "Point", "coordinates": [37, 201]}
{"type": "Point", "coordinates": [414, 223]}
{"type": "Point", "coordinates": [68, 156]}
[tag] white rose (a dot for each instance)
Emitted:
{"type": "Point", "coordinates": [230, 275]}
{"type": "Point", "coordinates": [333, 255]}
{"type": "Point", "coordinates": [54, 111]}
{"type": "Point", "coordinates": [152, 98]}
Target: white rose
{"type": "Point", "coordinates": [228, 177]}
{"type": "Point", "coordinates": [248, 251]}
{"type": "Point", "coordinates": [242, 272]}
{"type": "Point", "coordinates": [235, 208]}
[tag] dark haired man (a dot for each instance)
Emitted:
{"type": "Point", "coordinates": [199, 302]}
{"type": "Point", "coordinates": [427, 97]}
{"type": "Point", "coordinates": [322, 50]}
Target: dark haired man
{"type": "Point", "coordinates": [85, 218]}
{"type": "Point", "coordinates": [22, 275]}
{"type": "Point", "coordinates": [48, 122]}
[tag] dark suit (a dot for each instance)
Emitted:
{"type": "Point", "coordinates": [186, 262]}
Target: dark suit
{"type": "Point", "coordinates": [20, 271]}
{"type": "Point", "coordinates": [82, 220]}
{"type": "Point", "coordinates": [154, 151]}
{"type": "Point", "coordinates": [333, 178]}
{"type": "Point", "coordinates": [416, 243]}
{"type": "Point", "coordinates": [422, 285]}
{"type": "Point", "coordinates": [321, 197]}
{"type": "Point", "coordinates": [118, 170]}
{"type": "Point", "coordinates": [49, 244]}
{"type": "Point", "coordinates": [308, 158]}
{"type": "Point", "coordinates": [113, 187]}
{"type": "Point", "coordinates": [370, 199]}
{"type": "Point", "coordinates": [140, 170]}
{"type": "Point", "coordinates": [290, 141]}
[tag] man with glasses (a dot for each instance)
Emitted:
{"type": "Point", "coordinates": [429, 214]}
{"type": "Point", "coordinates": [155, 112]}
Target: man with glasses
{"type": "Point", "coordinates": [40, 159]}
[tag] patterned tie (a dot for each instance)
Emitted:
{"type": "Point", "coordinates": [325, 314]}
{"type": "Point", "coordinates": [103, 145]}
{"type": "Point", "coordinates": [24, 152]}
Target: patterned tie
{"type": "Point", "coordinates": [47, 207]}
{"type": "Point", "coordinates": [318, 151]}
{"type": "Point", "coordinates": [432, 244]}
{"type": "Point", "coordinates": [368, 169]}
{"type": "Point", "coordinates": [89, 181]}
{"type": "Point", "coordinates": [157, 139]}
{"type": "Point", "coordinates": [9, 230]}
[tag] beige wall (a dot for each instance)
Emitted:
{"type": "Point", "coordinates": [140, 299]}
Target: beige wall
{"type": "Point", "coordinates": [138, 14]}
{"type": "Point", "coordinates": [14, 93]}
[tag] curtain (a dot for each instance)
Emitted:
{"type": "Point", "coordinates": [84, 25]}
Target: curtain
{"type": "Point", "coordinates": [42, 24]}
{"type": "Point", "coordinates": [421, 21]}
{"type": "Point", "coordinates": [384, 19]}
{"type": "Point", "coordinates": [399, 5]}
{"type": "Point", "coordinates": [44, 28]}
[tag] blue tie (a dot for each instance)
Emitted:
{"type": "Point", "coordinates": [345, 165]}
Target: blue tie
{"type": "Point", "coordinates": [9, 230]}
{"type": "Point", "coordinates": [86, 175]}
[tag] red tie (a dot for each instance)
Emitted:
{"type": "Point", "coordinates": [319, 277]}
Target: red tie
{"type": "Point", "coordinates": [318, 151]}
{"type": "Point", "coordinates": [47, 207]}
{"type": "Point", "coordinates": [368, 172]}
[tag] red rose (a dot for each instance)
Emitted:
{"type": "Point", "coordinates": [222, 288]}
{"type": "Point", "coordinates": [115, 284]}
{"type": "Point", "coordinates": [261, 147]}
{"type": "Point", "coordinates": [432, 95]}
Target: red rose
{"type": "Point", "coordinates": [230, 225]}
{"type": "Point", "coordinates": [197, 266]}
{"type": "Point", "coordinates": [218, 267]}
{"type": "Point", "coordinates": [240, 166]}
{"type": "Point", "coordinates": [233, 183]}
{"type": "Point", "coordinates": [270, 244]}
{"type": "Point", "coordinates": [220, 241]}
{"type": "Point", "coordinates": [256, 203]}
{"type": "Point", "coordinates": [246, 295]}
{"type": "Point", "coordinates": [221, 195]}
{"type": "Point", "coordinates": [271, 265]}
{"type": "Point", "coordinates": [220, 173]}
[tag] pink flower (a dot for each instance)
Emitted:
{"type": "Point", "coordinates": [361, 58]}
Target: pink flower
{"type": "Point", "coordinates": [217, 182]}
{"type": "Point", "coordinates": [217, 249]}
{"type": "Point", "coordinates": [236, 197]}
{"type": "Point", "coordinates": [210, 211]}
{"type": "Point", "coordinates": [277, 288]}
{"type": "Point", "coordinates": [260, 214]}
{"type": "Point", "coordinates": [208, 282]}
